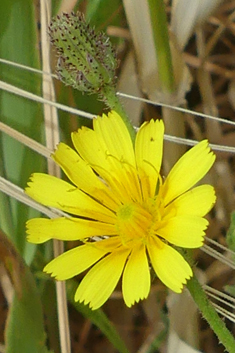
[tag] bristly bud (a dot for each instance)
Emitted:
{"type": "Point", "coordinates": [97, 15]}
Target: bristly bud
{"type": "Point", "coordinates": [86, 60]}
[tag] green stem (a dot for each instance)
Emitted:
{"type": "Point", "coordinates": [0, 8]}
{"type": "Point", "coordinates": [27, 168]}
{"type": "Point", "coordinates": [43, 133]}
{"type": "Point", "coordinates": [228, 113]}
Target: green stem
{"type": "Point", "coordinates": [209, 313]}
{"type": "Point", "coordinates": [109, 95]}
{"type": "Point", "coordinates": [162, 46]}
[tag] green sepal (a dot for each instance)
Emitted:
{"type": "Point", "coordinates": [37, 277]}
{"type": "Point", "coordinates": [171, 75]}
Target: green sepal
{"type": "Point", "coordinates": [86, 59]}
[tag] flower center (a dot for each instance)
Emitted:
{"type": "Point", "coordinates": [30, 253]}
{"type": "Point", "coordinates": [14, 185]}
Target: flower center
{"type": "Point", "coordinates": [136, 222]}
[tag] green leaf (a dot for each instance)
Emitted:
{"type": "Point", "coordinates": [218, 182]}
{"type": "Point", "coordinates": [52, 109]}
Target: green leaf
{"type": "Point", "coordinates": [24, 331]}
{"type": "Point", "coordinates": [98, 318]}
{"type": "Point", "coordinates": [49, 303]}
{"type": "Point", "coordinates": [18, 43]}
{"type": "Point", "coordinates": [104, 12]}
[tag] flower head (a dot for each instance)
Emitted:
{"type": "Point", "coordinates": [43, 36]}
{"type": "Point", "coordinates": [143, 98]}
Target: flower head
{"type": "Point", "coordinates": [118, 195]}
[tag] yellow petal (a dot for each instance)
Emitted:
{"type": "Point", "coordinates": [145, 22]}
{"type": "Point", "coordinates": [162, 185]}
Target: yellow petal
{"type": "Point", "coordinates": [116, 137]}
{"type": "Point", "coordinates": [169, 265]}
{"type": "Point", "coordinates": [190, 168]}
{"type": "Point", "coordinates": [119, 179]}
{"type": "Point", "coordinates": [109, 244]}
{"type": "Point", "coordinates": [77, 170]}
{"type": "Point", "coordinates": [54, 192]}
{"type": "Point", "coordinates": [136, 277]}
{"type": "Point", "coordinates": [91, 147]}
{"type": "Point", "coordinates": [114, 167]}
{"type": "Point", "coordinates": [74, 261]}
{"type": "Point", "coordinates": [148, 150]}
{"type": "Point", "coordinates": [186, 231]}
{"type": "Point", "coordinates": [195, 202]}
{"type": "Point", "coordinates": [97, 286]}
{"type": "Point", "coordinates": [81, 174]}
{"type": "Point", "coordinates": [40, 230]}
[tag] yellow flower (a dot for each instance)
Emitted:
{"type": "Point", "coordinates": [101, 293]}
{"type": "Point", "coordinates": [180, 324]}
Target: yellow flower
{"type": "Point", "coordinates": [124, 213]}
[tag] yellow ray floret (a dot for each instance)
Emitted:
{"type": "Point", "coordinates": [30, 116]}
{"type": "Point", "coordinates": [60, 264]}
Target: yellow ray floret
{"type": "Point", "coordinates": [40, 230]}
{"type": "Point", "coordinates": [53, 192]}
{"type": "Point", "coordinates": [190, 168]}
{"type": "Point", "coordinates": [97, 286]}
{"type": "Point", "coordinates": [196, 202]}
{"type": "Point", "coordinates": [134, 290]}
{"type": "Point", "coordinates": [148, 151]}
{"type": "Point", "coordinates": [81, 174]}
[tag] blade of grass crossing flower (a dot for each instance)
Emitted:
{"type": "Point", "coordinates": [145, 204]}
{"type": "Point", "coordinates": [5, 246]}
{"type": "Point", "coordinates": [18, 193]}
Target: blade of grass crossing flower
{"type": "Point", "coordinates": [18, 43]}
{"type": "Point", "coordinates": [98, 318]}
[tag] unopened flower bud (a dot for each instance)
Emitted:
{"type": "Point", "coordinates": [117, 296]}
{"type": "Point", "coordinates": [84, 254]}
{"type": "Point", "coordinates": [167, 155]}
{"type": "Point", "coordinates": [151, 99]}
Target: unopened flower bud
{"type": "Point", "coordinates": [86, 60]}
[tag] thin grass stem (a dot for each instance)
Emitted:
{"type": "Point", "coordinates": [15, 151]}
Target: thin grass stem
{"type": "Point", "coordinates": [52, 139]}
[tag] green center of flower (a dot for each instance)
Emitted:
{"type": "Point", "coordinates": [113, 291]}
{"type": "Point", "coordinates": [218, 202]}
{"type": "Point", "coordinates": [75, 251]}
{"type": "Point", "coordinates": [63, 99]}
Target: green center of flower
{"type": "Point", "coordinates": [136, 222]}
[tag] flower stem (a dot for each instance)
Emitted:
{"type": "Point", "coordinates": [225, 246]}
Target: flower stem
{"type": "Point", "coordinates": [109, 96]}
{"type": "Point", "coordinates": [209, 313]}
{"type": "Point", "coordinates": [162, 46]}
